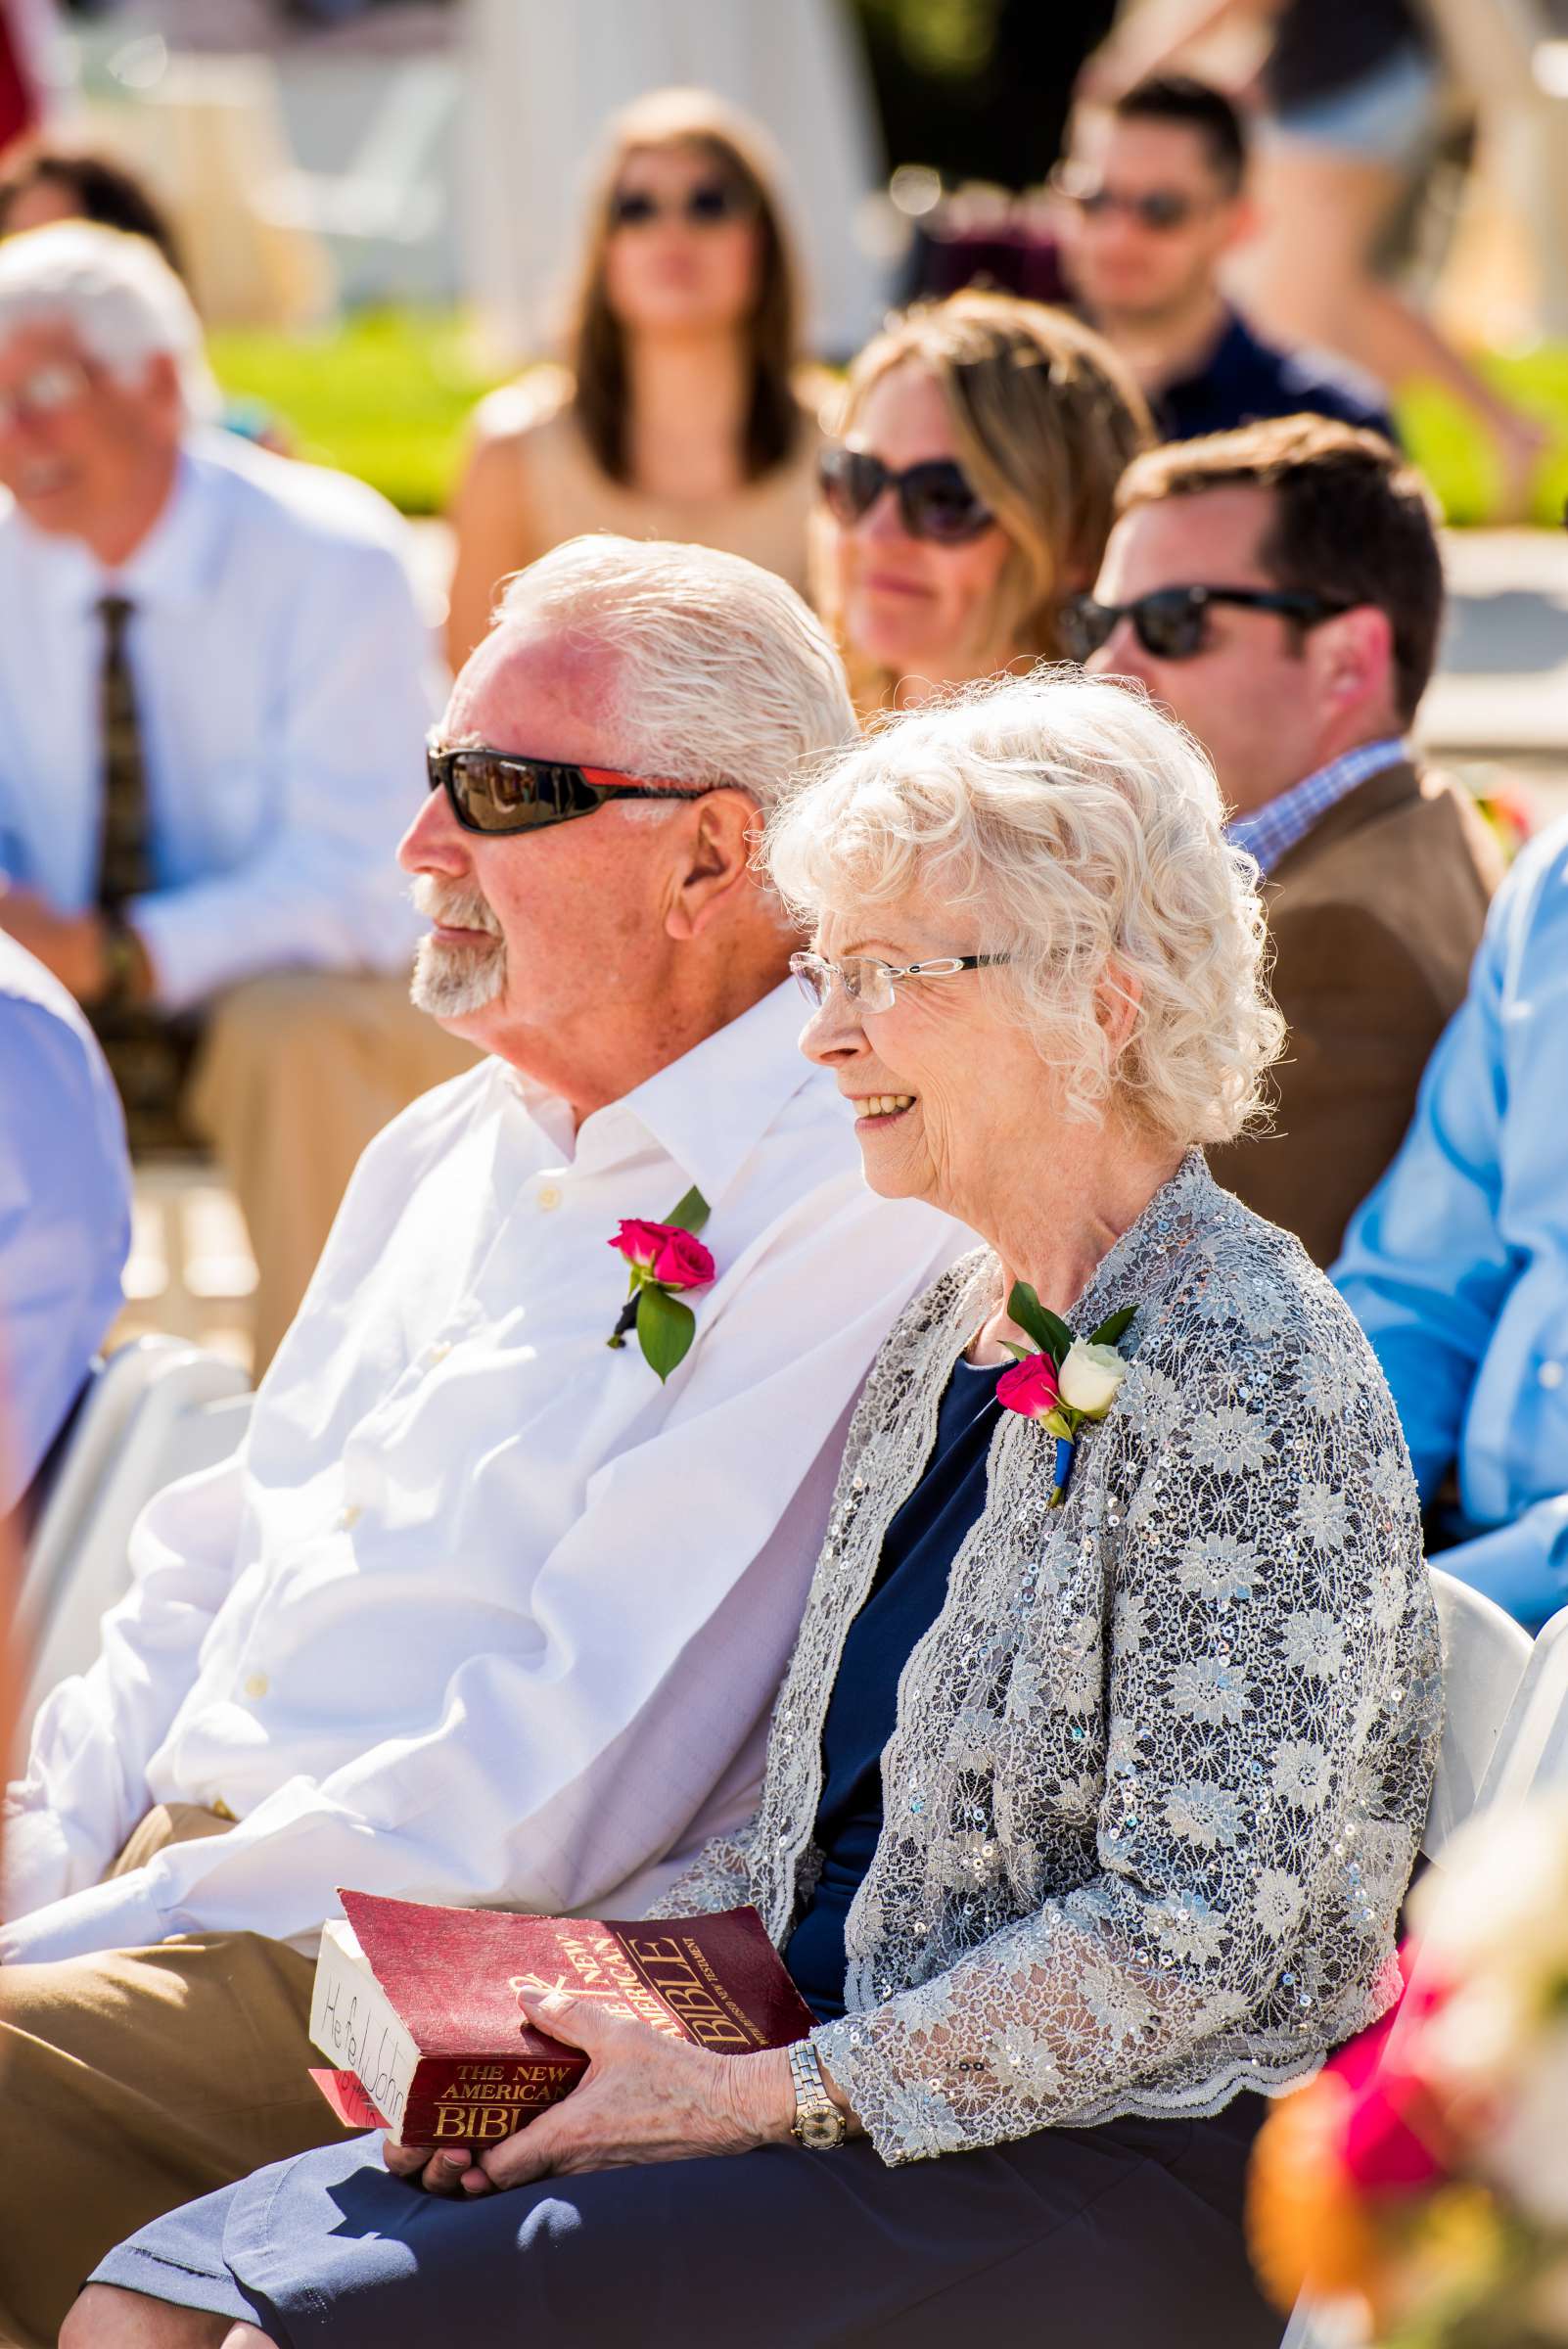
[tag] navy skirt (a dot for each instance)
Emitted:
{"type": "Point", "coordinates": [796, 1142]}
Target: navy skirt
{"type": "Point", "coordinates": [1124, 2235]}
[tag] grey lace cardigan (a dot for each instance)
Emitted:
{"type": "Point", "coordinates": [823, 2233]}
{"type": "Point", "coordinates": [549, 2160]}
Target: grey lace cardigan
{"type": "Point", "coordinates": [1161, 1764]}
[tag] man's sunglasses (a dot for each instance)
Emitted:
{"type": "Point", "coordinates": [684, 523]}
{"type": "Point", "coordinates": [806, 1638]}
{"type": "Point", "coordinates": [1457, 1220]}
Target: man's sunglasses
{"type": "Point", "coordinates": [1172, 623]}
{"type": "Point", "coordinates": [712, 203]}
{"type": "Point", "coordinates": [1162, 209]}
{"type": "Point", "coordinates": [935, 499]}
{"type": "Point", "coordinates": [497, 791]}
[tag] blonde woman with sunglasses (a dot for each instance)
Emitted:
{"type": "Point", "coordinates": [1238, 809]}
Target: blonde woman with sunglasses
{"type": "Point", "coordinates": [680, 416]}
{"type": "Point", "coordinates": [969, 493]}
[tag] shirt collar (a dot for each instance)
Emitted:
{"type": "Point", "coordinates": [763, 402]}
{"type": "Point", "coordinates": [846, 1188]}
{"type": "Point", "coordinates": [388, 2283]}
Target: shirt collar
{"type": "Point", "coordinates": [706, 1111]}
{"type": "Point", "coordinates": [1269, 831]}
{"type": "Point", "coordinates": [169, 568]}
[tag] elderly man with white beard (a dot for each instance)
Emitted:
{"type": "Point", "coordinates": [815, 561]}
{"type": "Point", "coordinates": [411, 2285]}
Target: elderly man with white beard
{"type": "Point", "coordinates": [488, 1609]}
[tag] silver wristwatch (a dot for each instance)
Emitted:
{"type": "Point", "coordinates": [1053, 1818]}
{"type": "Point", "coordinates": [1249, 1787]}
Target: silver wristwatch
{"type": "Point", "coordinates": [819, 2122]}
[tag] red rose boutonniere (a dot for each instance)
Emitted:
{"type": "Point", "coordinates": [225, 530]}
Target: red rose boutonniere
{"type": "Point", "coordinates": [1068, 1381]}
{"type": "Point", "coordinates": [664, 1259]}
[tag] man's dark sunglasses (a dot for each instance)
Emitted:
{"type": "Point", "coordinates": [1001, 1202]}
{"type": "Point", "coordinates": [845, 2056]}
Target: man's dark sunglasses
{"type": "Point", "coordinates": [709, 205]}
{"type": "Point", "coordinates": [935, 499]}
{"type": "Point", "coordinates": [498, 791]}
{"type": "Point", "coordinates": [1162, 209]}
{"type": "Point", "coordinates": [1172, 623]}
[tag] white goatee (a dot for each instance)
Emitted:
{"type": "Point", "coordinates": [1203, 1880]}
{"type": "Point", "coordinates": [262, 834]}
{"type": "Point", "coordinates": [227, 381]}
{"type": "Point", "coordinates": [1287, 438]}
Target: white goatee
{"type": "Point", "coordinates": [451, 981]}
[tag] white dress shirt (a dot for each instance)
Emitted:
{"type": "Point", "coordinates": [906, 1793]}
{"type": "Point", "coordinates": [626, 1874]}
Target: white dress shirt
{"type": "Point", "coordinates": [482, 1612]}
{"type": "Point", "coordinates": [64, 1210]}
{"type": "Point", "coordinates": [284, 680]}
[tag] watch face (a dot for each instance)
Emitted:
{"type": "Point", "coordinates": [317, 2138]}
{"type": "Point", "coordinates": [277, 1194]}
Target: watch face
{"type": "Point", "coordinates": [820, 2129]}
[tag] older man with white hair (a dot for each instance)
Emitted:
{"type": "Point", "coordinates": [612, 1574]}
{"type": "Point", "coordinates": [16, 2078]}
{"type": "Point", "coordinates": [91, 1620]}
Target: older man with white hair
{"type": "Point", "coordinates": [488, 1609]}
{"type": "Point", "coordinates": [215, 681]}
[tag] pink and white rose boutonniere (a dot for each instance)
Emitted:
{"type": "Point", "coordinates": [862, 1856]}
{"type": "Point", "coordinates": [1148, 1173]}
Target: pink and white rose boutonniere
{"type": "Point", "coordinates": [664, 1259]}
{"type": "Point", "coordinates": [1068, 1381]}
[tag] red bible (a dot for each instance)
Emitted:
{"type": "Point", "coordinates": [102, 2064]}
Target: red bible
{"type": "Point", "coordinates": [416, 2008]}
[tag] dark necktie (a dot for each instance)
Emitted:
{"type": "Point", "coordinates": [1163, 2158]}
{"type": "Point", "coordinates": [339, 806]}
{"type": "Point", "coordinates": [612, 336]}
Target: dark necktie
{"type": "Point", "coordinates": [149, 1056]}
{"type": "Point", "coordinates": [124, 867]}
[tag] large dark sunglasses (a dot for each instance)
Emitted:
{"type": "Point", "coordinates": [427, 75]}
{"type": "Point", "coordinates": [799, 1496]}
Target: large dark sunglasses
{"type": "Point", "coordinates": [712, 203]}
{"type": "Point", "coordinates": [1172, 623]}
{"type": "Point", "coordinates": [498, 791]}
{"type": "Point", "coordinates": [935, 499]}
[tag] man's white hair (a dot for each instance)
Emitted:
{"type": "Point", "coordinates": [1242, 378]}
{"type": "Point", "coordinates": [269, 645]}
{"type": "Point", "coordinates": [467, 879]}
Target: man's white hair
{"type": "Point", "coordinates": [718, 672]}
{"type": "Point", "coordinates": [118, 294]}
{"type": "Point", "coordinates": [1071, 829]}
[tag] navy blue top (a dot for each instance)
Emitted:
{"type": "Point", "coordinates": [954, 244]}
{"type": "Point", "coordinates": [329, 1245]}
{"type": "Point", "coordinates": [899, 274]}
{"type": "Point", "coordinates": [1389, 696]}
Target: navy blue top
{"type": "Point", "coordinates": [1246, 379]}
{"type": "Point", "coordinates": [903, 1602]}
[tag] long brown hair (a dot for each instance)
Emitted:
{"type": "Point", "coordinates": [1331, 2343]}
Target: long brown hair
{"type": "Point", "coordinates": [738, 150]}
{"type": "Point", "coordinates": [1045, 417]}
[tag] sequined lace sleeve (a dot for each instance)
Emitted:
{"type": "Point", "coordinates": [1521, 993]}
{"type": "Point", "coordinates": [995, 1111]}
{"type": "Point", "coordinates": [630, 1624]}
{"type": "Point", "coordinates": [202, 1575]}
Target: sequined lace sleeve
{"type": "Point", "coordinates": [1264, 1628]}
{"type": "Point", "coordinates": [719, 1877]}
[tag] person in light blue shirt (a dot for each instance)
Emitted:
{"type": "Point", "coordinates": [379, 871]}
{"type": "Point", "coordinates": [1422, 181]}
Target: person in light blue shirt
{"type": "Point", "coordinates": [1457, 1267]}
{"type": "Point", "coordinates": [65, 1210]}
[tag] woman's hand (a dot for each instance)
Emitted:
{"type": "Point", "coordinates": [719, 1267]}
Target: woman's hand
{"type": "Point", "coordinates": [644, 2098]}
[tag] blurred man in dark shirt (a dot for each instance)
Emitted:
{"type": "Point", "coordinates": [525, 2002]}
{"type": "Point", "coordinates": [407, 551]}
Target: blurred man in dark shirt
{"type": "Point", "coordinates": [1156, 197]}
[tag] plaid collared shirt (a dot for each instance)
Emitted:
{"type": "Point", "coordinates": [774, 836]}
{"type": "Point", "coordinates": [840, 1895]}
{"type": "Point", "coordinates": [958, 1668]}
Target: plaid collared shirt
{"type": "Point", "coordinates": [1266, 834]}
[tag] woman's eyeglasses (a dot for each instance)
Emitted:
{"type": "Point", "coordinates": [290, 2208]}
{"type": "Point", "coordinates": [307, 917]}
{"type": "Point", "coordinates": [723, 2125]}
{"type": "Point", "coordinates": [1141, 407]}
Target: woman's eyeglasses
{"type": "Point", "coordinates": [497, 791]}
{"type": "Point", "coordinates": [1172, 623]}
{"type": "Point", "coordinates": [936, 501]}
{"type": "Point", "coordinates": [873, 984]}
{"type": "Point", "coordinates": [710, 204]}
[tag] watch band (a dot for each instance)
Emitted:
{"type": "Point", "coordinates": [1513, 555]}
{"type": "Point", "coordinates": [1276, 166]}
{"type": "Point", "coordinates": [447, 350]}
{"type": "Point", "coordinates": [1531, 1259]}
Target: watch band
{"type": "Point", "coordinates": [819, 2122]}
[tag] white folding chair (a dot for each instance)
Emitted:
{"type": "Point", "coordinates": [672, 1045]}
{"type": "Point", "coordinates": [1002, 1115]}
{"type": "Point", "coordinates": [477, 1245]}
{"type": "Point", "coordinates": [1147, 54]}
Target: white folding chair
{"type": "Point", "coordinates": [159, 1409]}
{"type": "Point", "coordinates": [1533, 1749]}
{"type": "Point", "coordinates": [1486, 1657]}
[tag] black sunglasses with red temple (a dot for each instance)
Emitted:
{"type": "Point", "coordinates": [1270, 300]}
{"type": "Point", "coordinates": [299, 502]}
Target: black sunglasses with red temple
{"type": "Point", "coordinates": [498, 792]}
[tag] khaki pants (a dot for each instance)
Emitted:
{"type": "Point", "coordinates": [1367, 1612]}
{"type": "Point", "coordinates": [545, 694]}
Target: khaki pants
{"type": "Point", "coordinates": [297, 1071]}
{"type": "Point", "coordinates": [135, 2079]}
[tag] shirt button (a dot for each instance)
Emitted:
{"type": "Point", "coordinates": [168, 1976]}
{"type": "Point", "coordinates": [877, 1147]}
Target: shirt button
{"type": "Point", "coordinates": [256, 1686]}
{"type": "Point", "coordinates": [549, 1197]}
{"type": "Point", "coordinates": [350, 1517]}
{"type": "Point", "coordinates": [1551, 1375]}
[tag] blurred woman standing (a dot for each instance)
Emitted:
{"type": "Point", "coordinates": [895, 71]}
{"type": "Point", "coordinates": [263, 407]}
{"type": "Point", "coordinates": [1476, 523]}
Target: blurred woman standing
{"type": "Point", "coordinates": [970, 494]}
{"type": "Point", "coordinates": [680, 416]}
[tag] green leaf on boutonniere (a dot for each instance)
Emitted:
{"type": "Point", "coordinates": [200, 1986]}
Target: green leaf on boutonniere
{"type": "Point", "coordinates": [666, 1329]}
{"type": "Point", "coordinates": [1020, 1354]}
{"type": "Point", "coordinates": [1114, 1327]}
{"type": "Point", "coordinates": [689, 1214]}
{"type": "Point", "coordinates": [1049, 1330]}
{"type": "Point", "coordinates": [1057, 1424]}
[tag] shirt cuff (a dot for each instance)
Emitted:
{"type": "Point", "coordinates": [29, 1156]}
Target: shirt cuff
{"type": "Point", "coordinates": [121, 1914]}
{"type": "Point", "coordinates": [39, 1863]}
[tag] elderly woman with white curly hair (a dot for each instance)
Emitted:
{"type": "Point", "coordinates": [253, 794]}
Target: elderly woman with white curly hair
{"type": "Point", "coordinates": [1099, 1767]}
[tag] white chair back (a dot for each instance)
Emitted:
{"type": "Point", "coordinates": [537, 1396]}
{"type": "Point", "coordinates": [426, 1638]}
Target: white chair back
{"type": "Point", "coordinates": [1485, 1656]}
{"type": "Point", "coordinates": [158, 1410]}
{"type": "Point", "coordinates": [1533, 1750]}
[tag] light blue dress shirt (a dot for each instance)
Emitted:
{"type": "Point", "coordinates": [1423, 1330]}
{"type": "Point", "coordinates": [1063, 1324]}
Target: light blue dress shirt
{"type": "Point", "coordinates": [64, 1210]}
{"type": "Point", "coordinates": [1457, 1267]}
{"type": "Point", "coordinates": [284, 680]}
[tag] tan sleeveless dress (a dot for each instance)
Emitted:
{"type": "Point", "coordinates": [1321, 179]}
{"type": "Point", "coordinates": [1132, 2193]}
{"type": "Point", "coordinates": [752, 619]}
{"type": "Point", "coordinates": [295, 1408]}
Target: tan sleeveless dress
{"type": "Point", "coordinates": [565, 493]}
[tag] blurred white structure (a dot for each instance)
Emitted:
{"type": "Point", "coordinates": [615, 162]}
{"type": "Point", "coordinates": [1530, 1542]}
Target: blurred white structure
{"type": "Point", "coordinates": [543, 81]}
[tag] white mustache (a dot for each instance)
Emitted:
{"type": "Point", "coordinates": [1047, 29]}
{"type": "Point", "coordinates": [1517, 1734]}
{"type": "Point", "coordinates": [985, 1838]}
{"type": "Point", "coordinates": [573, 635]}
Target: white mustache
{"type": "Point", "coordinates": [454, 906]}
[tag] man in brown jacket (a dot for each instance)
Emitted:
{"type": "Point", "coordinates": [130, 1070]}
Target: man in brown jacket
{"type": "Point", "coordinates": [1280, 589]}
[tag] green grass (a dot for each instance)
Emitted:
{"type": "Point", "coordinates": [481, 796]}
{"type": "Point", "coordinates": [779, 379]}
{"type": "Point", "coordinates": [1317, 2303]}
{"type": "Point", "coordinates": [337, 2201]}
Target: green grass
{"type": "Point", "coordinates": [385, 395]}
{"type": "Point", "coordinates": [1457, 456]}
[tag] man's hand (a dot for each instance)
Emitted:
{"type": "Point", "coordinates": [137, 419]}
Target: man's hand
{"type": "Point", "coordinates": [644, 2098]}
{"type": "Point", "coordinates": [70, 945]}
